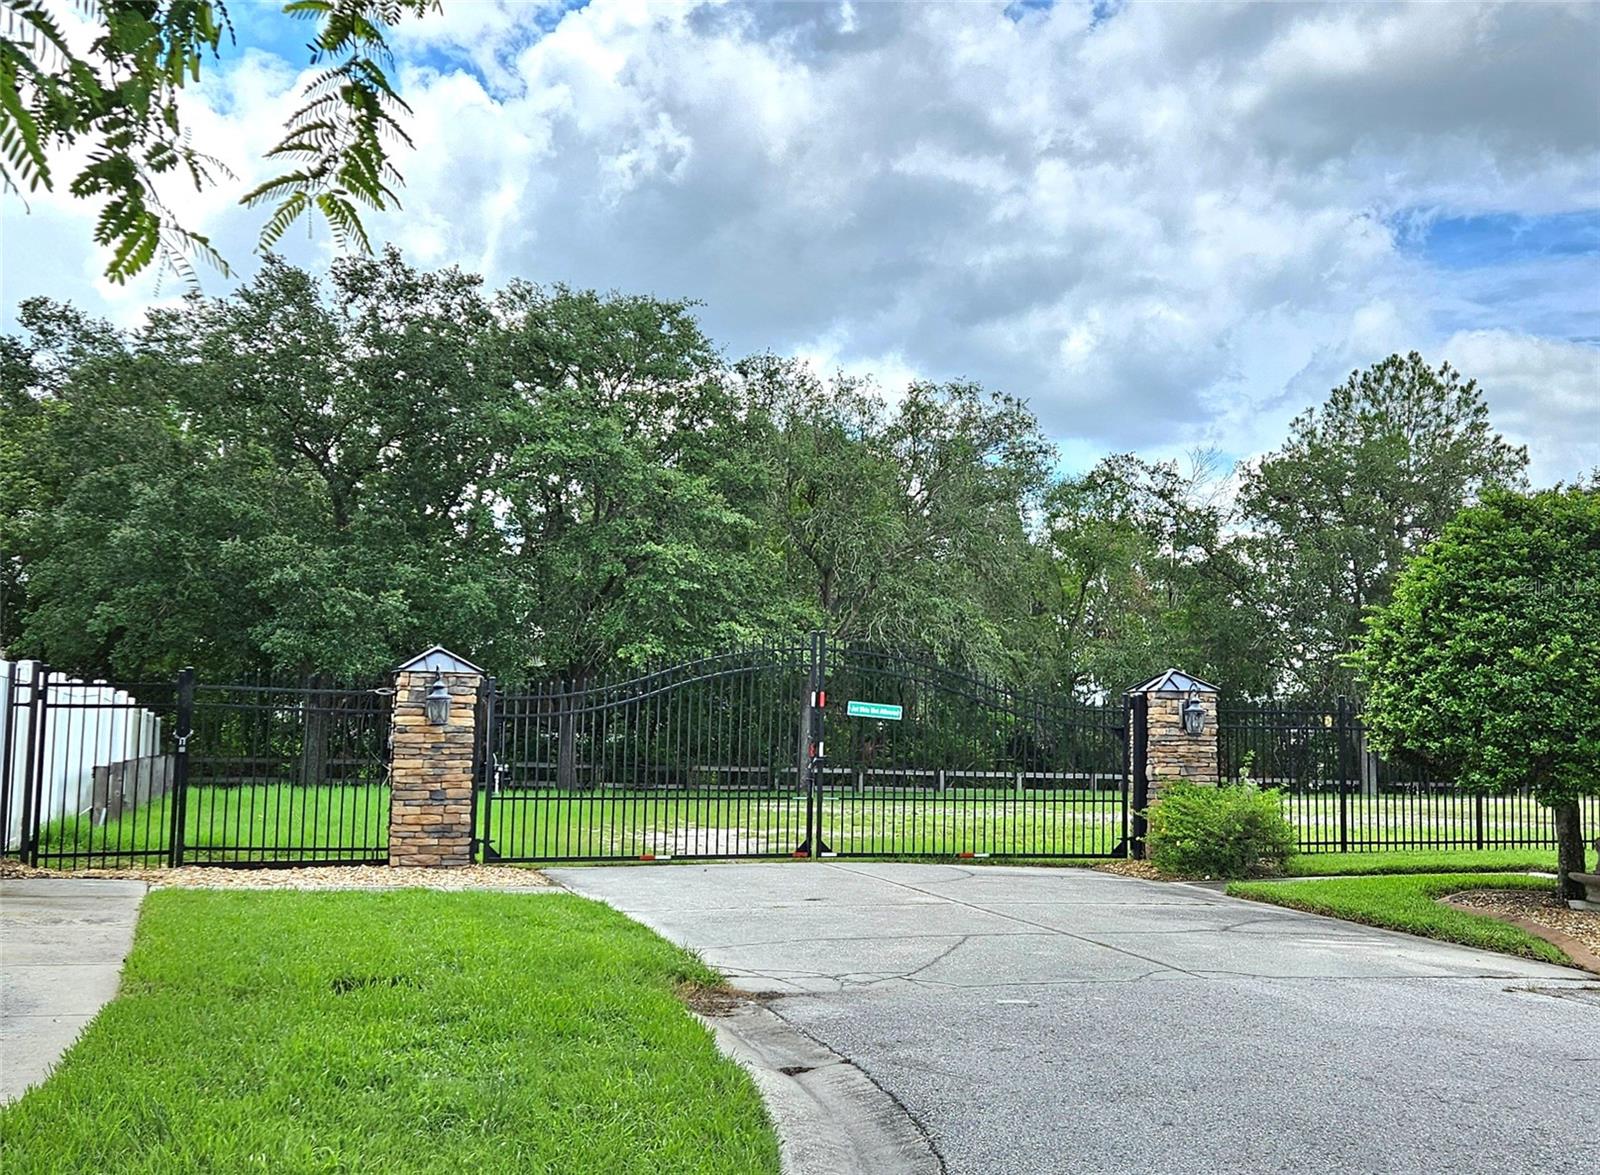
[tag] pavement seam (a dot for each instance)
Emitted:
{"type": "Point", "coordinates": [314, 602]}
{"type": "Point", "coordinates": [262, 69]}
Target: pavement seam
{"type": "Point", "coordinates": [1020, 921]}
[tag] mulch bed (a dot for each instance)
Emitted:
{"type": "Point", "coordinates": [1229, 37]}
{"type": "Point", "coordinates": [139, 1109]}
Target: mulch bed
{"type": "Point", "coordinates": [320, 877]}
{"type": "Point", "coordinates": [1541, 913]}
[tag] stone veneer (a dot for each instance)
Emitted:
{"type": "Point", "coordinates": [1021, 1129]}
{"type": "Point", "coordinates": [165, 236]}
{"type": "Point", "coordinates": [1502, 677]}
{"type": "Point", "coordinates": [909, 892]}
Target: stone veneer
{"type": "Point", "coordinates": [1173, 754]}
{"type": "Point", "coordinates": [430, 771]}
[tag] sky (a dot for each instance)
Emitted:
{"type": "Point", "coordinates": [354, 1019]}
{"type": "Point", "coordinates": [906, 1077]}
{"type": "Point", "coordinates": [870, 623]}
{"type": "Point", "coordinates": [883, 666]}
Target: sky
{"type": "Point", "coordinates": [1166, 226]}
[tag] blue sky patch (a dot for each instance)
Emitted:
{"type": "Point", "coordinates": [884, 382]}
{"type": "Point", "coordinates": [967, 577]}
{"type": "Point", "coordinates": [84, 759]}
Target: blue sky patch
{"type": "Point", "coordinates": [1476, 242]}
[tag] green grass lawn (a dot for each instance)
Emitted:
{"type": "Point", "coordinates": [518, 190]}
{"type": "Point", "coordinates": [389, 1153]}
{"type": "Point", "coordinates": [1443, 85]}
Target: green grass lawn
{"type": "Point", "coordinates": [262, 822]}
{"type": "Point", "coordinates": [250, 822]}
{"type": "Point", "coordinates": [625, 825]}
{"type": "Point", "coordinates": [1407, 903]}
{"type": "Point", "coordinates": [402, 1031]}
{"type": "Point", "coordinates": [1422, 861]}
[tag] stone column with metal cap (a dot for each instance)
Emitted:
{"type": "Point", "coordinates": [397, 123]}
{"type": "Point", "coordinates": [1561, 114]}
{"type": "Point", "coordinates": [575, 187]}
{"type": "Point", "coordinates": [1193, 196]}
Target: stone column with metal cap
{"type": "Point", "coordinates": [434, 738]}
{"type": "Point", "coordinates": [1179, 746]}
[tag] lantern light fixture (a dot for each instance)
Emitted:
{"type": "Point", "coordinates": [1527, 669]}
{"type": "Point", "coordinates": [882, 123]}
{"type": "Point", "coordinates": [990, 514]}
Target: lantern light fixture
{"type": "Point", "coordinates": [1193, 713]}
{"type": "Point", "coordinates": [437, 702]}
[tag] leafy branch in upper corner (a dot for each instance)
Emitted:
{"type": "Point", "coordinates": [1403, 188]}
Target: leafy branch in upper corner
{"type": "Point", "coordinates": [120, 99]}
{"type": "Point", "coordinates": [338, 134]}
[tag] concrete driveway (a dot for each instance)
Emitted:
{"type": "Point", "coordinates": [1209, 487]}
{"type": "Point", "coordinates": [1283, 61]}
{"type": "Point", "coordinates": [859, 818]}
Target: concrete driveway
{"type": "Point", "coordinates": [62, 942]}
{"type": "Point", "coordinates": [1063, 1020]}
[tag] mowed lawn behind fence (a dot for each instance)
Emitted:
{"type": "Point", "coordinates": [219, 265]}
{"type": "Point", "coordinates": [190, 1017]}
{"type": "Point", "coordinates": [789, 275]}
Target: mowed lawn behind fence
{"type": "Point", "coordinates": [622, 824]}
{"type": "Point", "coordinates": [333, 823]}
{"type": "Point", "coordinates": [236, 824]}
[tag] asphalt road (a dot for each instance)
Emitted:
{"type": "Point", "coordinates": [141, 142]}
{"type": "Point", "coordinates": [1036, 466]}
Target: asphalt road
{"type": "Point", "coordinates": [1063, 1020]}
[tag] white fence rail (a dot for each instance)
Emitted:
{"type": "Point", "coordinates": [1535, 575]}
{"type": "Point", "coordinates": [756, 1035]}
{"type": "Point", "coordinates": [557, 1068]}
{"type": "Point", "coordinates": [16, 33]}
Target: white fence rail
{"type": "Point", "coordinates": [98, 751]}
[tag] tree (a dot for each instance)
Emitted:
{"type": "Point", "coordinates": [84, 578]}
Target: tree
{"type": "Point", "coordinates": [322, 476]}
{"type": "Point", "coordinates": [625, 482]}
{"type": "Point", "coordinates": [1359, 487]}
{"type": "Point", "coordinates": [904, 524]}
{"type": "Point", "coordinates": [1487, 660]}
{"type": "Point", "coordinates": [291, 478]}
{"type": "Point", "coordinates": [121, 100]}
{"type": "Point", "coordinates": [1138, 573]}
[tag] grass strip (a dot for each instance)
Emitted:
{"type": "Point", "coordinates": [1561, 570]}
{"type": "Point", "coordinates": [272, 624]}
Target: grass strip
{"type": "Point", "coordinates": [1408, 903]}
{"type": "Point", "coordinates": [401, 1031]}
{"type": "Point", "coordinates": [1421, 861]}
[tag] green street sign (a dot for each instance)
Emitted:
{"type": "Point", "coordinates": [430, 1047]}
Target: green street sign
{"type": "Point", "coordinates": [873, 710]}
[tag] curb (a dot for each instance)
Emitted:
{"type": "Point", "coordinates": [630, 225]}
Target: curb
{"type": "Point", "coordinates": [830, 1117]}
{"type": "Point", "coordinates": [1582, 957]}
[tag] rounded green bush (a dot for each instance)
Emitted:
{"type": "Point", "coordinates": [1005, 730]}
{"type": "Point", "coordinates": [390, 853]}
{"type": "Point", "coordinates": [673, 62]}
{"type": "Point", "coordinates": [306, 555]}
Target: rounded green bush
{"type": "Point", "coordinates": [1233, 831]}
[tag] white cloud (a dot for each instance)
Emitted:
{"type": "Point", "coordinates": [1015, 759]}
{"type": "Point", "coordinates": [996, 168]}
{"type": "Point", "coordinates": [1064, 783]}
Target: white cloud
{"type": "Point", "coordinates": [1543, 393]}
{"type": "Point", "coordinates": [1167, 228]}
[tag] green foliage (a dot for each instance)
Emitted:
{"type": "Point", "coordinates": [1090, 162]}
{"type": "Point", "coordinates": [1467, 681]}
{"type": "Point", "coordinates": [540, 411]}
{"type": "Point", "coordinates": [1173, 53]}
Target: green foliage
{"type": "Point", "coordinates": [326, 475]}
{"type": "Point", "coordinates": [120, 101]}
{"type": "Point", "coordinates": [406, 1031]}
{"type": "Point", "coordinates": [903, 524]}
{"type": "Point", "coordinates": [1137, 573]}
{"type": "Point", "coordinates": [1487, 661]}
{"type": "Point", "coordinates": [1360, 486]}
{"type": "Point", "coordinates": [1234, 831]}
{"type": "Point", "coordinates": [1410, 904]}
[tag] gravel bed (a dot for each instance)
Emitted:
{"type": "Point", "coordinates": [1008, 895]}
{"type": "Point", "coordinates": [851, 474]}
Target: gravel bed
{"type": "Point", "coordinates": [321, 877]}
{"type": "Point", "coordinates": [1536, 906]}
{"type": "Point", "coordinates": [1128, 867]}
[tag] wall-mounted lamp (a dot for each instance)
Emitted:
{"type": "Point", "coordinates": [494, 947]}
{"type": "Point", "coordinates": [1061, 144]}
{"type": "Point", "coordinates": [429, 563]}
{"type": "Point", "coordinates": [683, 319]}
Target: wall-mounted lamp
{"type": "Point", "coordinates": [1194, 714]}
{"type": "Point", "coordinates": [437, 703]}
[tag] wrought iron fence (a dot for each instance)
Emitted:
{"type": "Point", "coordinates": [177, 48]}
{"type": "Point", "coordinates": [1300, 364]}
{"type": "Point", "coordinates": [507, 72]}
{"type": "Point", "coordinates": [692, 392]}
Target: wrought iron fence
{"type": "Point", "coordinates": [101, 775]}
{"type": "Point", "coordinates": [92, 770]}
{"type": "Point", "coordinates": [756, 752]}
{"type": "Point", "coordinates": [1344, 797]}
{"type": "Point", "coordinates": [287, 774]}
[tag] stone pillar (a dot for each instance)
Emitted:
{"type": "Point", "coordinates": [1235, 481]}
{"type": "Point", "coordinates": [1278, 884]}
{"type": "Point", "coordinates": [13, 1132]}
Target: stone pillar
{"type": "Point", "coordinates": [430, 766]}
{"type": "Point", "coordinates": [1170, 751]}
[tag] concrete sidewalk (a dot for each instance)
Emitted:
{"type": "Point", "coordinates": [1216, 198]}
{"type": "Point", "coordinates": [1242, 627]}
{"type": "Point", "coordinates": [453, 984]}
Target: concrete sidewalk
{"type": "Point", "coordinates": [1052, 1020]}
{"type": "Point", "coordinates": [62, 943]}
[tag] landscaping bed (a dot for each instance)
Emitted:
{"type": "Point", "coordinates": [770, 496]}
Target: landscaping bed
{"type": "Point", "coordinates": [395, 1031]}
{"type": "Point", "coordinates": [312, 877]}
{"type": "Point", "coordinates": [1577, 932]}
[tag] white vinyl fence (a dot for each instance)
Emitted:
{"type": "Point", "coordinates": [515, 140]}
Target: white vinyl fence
{"type": "Point", "coordinates": [100, 751]}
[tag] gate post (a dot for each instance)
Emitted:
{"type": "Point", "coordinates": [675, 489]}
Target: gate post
{"type": "Point", "coordinates": [33, 770]}
{"type": "Point", "coordinates": [1171, 750]}
{"type": "Point", "coordinates": [431, 761]}
{"type": "Point", "coordinates": [183, 730]}
{"type": "Point", "coordinates": [1138, 716]}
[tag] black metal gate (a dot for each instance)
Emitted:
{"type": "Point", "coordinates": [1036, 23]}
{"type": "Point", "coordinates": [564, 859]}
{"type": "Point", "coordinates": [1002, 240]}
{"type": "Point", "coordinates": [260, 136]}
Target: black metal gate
{"type": "Point", "coordinates": [964, 765]}
{"type": "Point", "coordinates": [702, 759]}
{"type": "Point", "coordinates": [760, 753]}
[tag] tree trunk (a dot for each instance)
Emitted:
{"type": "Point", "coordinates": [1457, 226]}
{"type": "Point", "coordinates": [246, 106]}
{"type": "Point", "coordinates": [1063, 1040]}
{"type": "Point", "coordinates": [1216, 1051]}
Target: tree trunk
{"type": "Point", "coordinates": [316, 713]}
{"type": "Point", "coordinates": [567, 740]}
{"type": "Point", "coordinates": [1569, 848]}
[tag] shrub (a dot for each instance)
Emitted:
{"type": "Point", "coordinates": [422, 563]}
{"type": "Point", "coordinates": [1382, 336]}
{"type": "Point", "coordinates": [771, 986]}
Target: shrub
{"type": "Point", "coordinates": [1233, 831]}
